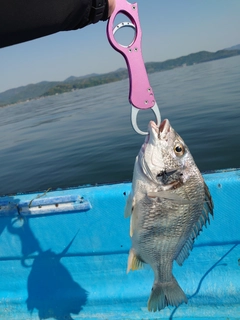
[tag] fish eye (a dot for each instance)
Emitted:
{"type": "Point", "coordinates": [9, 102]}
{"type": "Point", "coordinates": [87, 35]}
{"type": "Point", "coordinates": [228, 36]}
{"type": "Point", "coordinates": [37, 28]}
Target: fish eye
{"type": "Point", "coordinates": [179, 149]}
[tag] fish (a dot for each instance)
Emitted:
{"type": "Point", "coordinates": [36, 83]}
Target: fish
{"type": "Point", "coordinates": [168, 205]}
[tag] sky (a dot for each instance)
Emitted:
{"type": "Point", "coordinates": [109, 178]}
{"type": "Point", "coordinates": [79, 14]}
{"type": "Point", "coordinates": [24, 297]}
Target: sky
{"type": "Point", "coordinates": [170, 29]}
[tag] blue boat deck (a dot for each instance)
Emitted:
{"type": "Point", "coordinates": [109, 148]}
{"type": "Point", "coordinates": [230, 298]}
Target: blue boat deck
{"type": "Point", "coordinates": [67, 260]}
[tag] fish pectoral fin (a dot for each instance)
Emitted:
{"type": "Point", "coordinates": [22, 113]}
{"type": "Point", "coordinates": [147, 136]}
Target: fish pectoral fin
{"type": "Point", "coordinates": [168, 195]}
{"type": "Point", "coordinates": [172, 185]}
{"type": "Point", "coordinates": [129, 206]}
{"type": "Point", "coordinates": [134, 263]}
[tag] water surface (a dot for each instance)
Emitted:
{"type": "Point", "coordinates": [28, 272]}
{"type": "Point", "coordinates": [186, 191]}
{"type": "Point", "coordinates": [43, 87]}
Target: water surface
{"type": "Point", "coordinates": [85, 137]}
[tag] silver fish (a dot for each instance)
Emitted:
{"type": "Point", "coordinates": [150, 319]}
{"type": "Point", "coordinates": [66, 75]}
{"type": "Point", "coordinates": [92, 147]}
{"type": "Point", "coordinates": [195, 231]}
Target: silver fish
{"type": "Point", "coordinates": [169, 203]}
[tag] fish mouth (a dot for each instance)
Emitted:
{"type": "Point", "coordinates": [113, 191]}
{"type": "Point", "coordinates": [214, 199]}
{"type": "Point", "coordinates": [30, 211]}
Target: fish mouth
{"type": "Point", "coordinates": [156, 133]}
{"type": "Point", "coordinates": [164, 129]}
{"type": "Point", "coordinates": [161, 131]}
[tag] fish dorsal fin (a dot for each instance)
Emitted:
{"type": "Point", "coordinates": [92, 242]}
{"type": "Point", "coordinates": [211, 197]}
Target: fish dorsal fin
{"type": "Point", "coordinates": [184, 253]}
{"type": "Point", "coordinates": [208, 200]}
{"type": "Point", "coordinates": [197, 227]}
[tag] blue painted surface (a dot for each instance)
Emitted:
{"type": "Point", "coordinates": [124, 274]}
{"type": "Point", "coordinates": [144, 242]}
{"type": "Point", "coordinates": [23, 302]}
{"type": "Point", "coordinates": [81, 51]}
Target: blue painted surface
{"type": "Point", "coordinates": [73, 266]}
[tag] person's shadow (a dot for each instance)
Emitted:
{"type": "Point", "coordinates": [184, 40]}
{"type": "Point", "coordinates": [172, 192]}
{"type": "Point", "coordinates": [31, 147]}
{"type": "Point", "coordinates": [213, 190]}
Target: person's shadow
{"type": "Point", "coordinates": [51, 288]}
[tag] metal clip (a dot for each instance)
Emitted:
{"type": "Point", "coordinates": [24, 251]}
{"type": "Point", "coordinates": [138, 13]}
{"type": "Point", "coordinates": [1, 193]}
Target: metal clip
{"type": "Point", "coordinates": [141, 95]}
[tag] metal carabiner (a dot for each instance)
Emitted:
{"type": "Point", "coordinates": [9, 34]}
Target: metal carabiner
{"type": "Point", "coordinates": [134, 113]}
{"type": "Point", "coordinates": [141, 95]}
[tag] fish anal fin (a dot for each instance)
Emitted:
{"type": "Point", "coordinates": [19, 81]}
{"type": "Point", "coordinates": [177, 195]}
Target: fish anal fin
{"type": "Point", "coordinates": [134, 263]}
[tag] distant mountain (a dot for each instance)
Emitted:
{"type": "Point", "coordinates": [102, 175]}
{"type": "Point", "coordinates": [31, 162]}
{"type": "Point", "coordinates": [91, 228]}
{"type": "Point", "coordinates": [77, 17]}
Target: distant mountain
{"type": "Point", "coordinates": [237, 47]}
{"type": "Point", "coordinates": [73, 78]}
{"type": "Point", "coordinates": [120, 69]}
{"type": "Point", "coordinates": [47, 88]}
{"type": "Point", "coordinates": [24, 93]}
{"type": "Point", "coordinates": [191, 59]}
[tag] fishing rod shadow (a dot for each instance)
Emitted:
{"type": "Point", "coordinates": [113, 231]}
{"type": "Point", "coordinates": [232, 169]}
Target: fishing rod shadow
{"type": "Point", "coordinates": [203, 277]}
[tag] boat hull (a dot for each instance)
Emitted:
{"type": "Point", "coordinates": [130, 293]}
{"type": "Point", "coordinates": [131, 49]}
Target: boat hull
{"type": "Point", "coordinates": [67, 260]}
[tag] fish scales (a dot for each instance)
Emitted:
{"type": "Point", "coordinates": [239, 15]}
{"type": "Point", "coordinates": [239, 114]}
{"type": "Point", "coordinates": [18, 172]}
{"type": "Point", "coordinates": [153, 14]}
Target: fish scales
{"type": "Point", "coordinates": [169, 204]}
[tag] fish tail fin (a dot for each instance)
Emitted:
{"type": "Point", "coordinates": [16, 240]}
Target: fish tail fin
{"type": "Point", "coordinates": [164, 294]}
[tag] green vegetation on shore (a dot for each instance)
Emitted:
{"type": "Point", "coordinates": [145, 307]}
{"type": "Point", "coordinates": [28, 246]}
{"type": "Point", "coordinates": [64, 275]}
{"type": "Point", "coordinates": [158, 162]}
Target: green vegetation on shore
{"type": "Point", "coordinates": [46, 88]}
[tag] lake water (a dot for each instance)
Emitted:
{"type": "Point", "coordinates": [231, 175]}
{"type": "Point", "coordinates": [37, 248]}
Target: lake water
{"type": "Point", "coordinates": [85, 137]}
